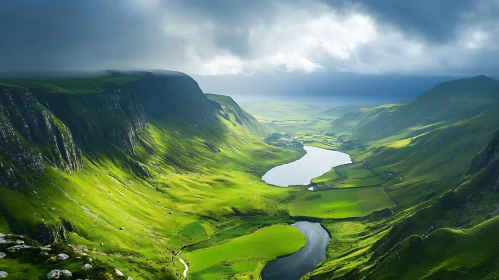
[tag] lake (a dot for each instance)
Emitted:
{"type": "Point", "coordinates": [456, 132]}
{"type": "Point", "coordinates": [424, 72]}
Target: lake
{"type": "Point", "coordinates": [294, 266]}
{"type": "Point", "coordinates": [316, 162]}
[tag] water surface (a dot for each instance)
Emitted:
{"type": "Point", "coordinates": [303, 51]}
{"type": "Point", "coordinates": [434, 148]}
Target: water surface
{"type": "Point", "coordinates": [294, 266]}
{"type": "Point", "coordinates": [316, 162]}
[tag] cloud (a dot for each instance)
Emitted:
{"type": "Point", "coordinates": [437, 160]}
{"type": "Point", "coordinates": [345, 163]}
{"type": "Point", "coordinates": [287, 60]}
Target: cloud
{"type": "Point", "coordinates": [226, 37]}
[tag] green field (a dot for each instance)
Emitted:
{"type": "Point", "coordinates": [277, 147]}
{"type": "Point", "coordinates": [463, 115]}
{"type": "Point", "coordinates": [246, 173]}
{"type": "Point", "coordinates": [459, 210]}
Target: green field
{"type": "Point", "coordinates": [349, 176]}
{"type": "Point", "coordinates": [241, 253]}
{"type": "Point", "coordinates": [341, 203]}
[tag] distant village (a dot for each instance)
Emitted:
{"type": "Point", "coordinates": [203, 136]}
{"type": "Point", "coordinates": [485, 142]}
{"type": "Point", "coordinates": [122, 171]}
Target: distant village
{"type": "Point", "coordinates": [283, 139]}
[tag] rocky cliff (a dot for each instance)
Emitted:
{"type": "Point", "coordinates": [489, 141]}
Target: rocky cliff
{"type": "Point", "coordinates": [30, 136]}
{"type": "Point", "coordinates": [490, 155]}
{"type": "Point", "coordinates": [48, 121]}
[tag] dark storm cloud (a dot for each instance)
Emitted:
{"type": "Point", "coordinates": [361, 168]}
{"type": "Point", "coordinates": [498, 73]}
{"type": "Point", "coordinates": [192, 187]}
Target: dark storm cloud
{"type": "Point", "coordinates": [69, 35]}
{"type": "Point", "coordinates": [434, 20]}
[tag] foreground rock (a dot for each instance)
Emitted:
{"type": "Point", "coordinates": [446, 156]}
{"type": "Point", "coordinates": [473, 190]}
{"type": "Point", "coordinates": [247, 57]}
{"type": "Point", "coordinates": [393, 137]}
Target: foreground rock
{"type": "Point", "coordinates": [119, 273]}
{"type": "Point", "coordinates": [66, 273]}
{"type": "Point", "coordinates": [3, 274]}
{"type": "Point", "coordinates": [62, 257]}
{"type": "Point", "coordinates": [16, 248]}
{"type": "Point", "coordinates": [54, 274]}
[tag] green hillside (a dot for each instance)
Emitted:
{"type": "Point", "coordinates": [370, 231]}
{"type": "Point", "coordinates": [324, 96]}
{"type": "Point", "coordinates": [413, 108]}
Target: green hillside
{"type": "Point", "coordinates": [454, 238]}
{"type": "Point", "coordinates": [133, 175]}
{"type": "Point", "coordinates": [445, 103]}
{"type": "Point", "coordinates": [231, 110]}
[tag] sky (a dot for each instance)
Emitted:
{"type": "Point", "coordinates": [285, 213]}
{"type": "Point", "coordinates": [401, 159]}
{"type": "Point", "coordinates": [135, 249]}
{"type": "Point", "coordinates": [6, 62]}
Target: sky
{"type": "Point", "coordinates": [314, 51]}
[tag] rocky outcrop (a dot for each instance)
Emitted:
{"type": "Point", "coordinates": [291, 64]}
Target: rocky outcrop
{"type": "Point", "coordinates": [30, 136]}
{"type": "Point", "coordinates": [490, 155]}
{"type": "Point", "coordinates": [120, 114]}
{"type": "Point", "coordinates": [47, 234]}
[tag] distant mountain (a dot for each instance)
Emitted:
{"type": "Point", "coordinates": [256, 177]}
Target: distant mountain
{"type": "Point", "coordinates": [447, 102]}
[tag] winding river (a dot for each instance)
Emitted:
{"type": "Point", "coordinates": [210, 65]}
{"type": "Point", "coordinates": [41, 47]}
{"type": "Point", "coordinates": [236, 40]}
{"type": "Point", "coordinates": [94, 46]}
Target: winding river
{"type": "Point", "coordinates": [315, 163]}
{"type": "Point", "coordinates": [294, 266]}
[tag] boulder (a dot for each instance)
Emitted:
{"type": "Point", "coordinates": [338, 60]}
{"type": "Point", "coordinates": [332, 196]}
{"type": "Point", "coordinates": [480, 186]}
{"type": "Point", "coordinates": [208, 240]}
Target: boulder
{"type": "Point", "coordinates": [62, 257]}
{"type": "Point", "coordinates": [54, 274]}
{"type": "Point", "coordinates": [119, 273]}
{"type": "Point", "coordinates": [2, 255]}
{"type": "Point", "coordinates": [3, 274]}
{"type": "Point", "coordinates": [66, 273]}
{"type": "Point", "coordinates": [87, 266]}
{"type": "Point", "coordinates": [18, 247]}
{"type": "Point", "coordinates": [2, 239]}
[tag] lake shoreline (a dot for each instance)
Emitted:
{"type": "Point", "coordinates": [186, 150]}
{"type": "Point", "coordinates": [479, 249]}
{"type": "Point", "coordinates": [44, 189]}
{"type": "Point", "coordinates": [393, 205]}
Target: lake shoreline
{"type": "Point", "coordinates": [300, 172]}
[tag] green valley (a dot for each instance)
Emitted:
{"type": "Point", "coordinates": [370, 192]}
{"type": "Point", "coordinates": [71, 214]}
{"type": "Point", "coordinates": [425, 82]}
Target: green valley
{"type": "Point", "coordinates": [141, 174]}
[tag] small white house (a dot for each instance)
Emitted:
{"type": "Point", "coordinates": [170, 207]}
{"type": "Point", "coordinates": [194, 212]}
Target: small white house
{"type": "Point", "coordinates": [313, 188]}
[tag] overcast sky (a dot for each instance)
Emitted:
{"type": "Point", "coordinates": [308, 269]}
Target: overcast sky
{"type": "Point", "coordinates": [358, 50]}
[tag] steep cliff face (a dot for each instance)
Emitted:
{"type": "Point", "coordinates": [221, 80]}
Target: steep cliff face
{"type": "Point", "coordinates": [40, 118]}
{"type": "Point", "coordinates": [120, 113]}
{"type": "Point", "coordinates": [30, 135]}
{"type": "Point", "coordinates": [489, 155]}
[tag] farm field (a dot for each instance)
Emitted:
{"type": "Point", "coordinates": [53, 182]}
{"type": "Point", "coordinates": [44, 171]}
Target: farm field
{"type": "Point", "coordinates": [340, 203]}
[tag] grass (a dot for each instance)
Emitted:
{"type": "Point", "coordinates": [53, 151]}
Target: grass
{"type": "Point", "coordinates": [349, 176]}
{"type": "Point", "coordinates": [264, 244]}
{"type": "Point", "coordinates": [74, 85]}
{"type": "Point", "coordinates": [361, 182]}
{"type": "Point", "coordinates": [340, 203]}
{"type": "Point", "coordinates": [289, 116]}
{"type": "Point", "coordinates": [446, 254]}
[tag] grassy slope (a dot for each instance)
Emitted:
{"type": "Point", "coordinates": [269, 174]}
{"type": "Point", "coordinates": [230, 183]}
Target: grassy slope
{"type": "Point", "coordinates": [240, 116]}
{"type": "Point", "coordinates": [447, 102]}
{"type": "Point", "coordinates": [435, 161]}
{"type": "Point", "coordinates": [195, 191]}
{"type": "Point", "coordinates": [447, 254]}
